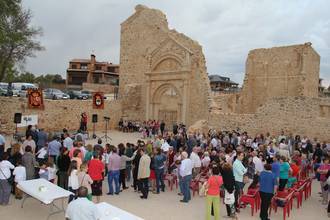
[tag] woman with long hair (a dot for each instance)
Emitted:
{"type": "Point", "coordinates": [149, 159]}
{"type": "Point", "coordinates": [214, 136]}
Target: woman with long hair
{"type": "Point", "coordinates": [229, 183]}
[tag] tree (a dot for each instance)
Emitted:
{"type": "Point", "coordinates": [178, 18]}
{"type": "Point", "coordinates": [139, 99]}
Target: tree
{"type": "Point", "coordinates": [17, 37]}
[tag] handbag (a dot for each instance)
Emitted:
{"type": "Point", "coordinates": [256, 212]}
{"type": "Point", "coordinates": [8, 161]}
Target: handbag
{"type": "Point", "coordinates": [203, 190]}
{"type": "Point", "coordinates": [229, 198]}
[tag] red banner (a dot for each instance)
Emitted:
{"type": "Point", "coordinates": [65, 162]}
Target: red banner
{"type": "Point", "coordinates": [98, 100]}
{"type": "Point", "coordinates": [35, 99]}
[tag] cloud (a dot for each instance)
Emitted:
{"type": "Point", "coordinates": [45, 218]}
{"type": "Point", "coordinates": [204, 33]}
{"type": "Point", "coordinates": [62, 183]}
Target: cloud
{"type": "Point", "coordinates": [227, 30]}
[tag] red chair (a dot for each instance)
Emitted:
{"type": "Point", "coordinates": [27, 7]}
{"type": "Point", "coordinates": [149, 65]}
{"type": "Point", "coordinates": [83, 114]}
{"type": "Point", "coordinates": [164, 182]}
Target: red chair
{"type": "Point", "coordinates": [194, 186]}
{"type": "Point", "coordinates": [251, 199]}
{"type": "Point", "coordinates": [286, 198]}
{"type": "Point", "coordinates": [171, 179]}
{"type": "Point", "coordinates": [298, 193]}
{"type": "Point", "coordinates": [308, 188]}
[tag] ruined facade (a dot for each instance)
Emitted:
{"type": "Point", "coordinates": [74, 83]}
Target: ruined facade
{"type": "Point", "coordinates": [279, 72]}
{"type": "Point", "coordinates": [162, 71]}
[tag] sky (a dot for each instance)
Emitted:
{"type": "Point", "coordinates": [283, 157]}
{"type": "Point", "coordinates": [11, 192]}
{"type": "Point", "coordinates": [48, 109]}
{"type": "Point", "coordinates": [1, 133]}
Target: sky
{"type": "Point", "coordinates": [226, 29]}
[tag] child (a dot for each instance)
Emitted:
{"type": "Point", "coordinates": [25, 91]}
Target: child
{"type": "Point", "coordinates": [76, 157]}
{"type": "Point", "coordinates": [43, 172]}
{"type": "Point", "coordinates": [20, 175]}
{"type": "Point", "coordinates": [51, 170]}
{"type": "Point", "coordinates": [85, 180]}
{"type": "Point", "coordinates": [73, 179]}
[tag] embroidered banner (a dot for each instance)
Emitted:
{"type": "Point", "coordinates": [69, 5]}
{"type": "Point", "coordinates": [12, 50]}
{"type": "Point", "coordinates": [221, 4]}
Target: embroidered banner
{"type": "Point", "coordinates": [98, 100]}
{"type": "Point", "coordinates": [35, 99]}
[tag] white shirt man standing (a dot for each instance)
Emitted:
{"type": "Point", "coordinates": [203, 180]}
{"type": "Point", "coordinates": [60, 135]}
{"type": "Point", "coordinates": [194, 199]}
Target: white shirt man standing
{"type": "Point", "coordinates": [185, 172]}
{"type": "Point", "coordinates": [257, 162]}
{"type": "Point", "coordinates": [196, 162]}
{"type": "Point", "coordinates": [67, 142]}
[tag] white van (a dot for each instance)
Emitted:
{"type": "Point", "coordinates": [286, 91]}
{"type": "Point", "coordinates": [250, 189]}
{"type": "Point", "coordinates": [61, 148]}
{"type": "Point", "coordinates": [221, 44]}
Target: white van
{"type": "Point", "coordinates": [20, 89]}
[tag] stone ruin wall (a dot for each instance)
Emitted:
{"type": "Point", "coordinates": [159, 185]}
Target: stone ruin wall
{"type": "Point", "coordinates": [280, 91]}
{"type": "Point", "coordinates": [58, 114]}
{"type": "Point", "coordinates": [297, 115]}
{"type": "Point", "coordinates": [279, 72]}
{"type": "Point", "coordinates": [146, 39]}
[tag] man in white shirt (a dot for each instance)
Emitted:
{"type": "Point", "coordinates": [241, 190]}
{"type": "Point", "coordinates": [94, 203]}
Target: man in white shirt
{"type": "Point", "coordinates": [67, 142]}
{"type": "Point", "coordinates": [82, 208]}
{"type": "Point", "coordinates": [185, 173]}
{"type": "Point", "coordinates": [196, 162]}
{"type": "Point", "coordinates": [257, 162]}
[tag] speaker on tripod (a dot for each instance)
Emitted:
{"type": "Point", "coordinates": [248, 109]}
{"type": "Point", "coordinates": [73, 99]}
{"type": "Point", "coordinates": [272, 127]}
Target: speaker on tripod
{"type": "Point", "coordinates": [94, 120]}
{"type": "Point", "coordinates": [17, 120]}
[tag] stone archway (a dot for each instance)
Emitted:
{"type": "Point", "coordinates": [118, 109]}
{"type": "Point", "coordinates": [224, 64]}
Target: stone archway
{"type": "Point", "coordinates": [166, 104]}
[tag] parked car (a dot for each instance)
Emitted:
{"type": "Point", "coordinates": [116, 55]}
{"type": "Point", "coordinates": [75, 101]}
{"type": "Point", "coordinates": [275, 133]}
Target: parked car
{"type": "Point", "coordinates": [77, 94]}
{"type": "Point", "coordinates": [3, 92]}
{"type": "Point", "coordinates": [87, 93]}
{"type": "Point", "coordinates": [55, 94]}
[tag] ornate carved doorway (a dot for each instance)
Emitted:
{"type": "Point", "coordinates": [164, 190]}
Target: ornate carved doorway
{"type": "Point", "coordinates": [167, 105]}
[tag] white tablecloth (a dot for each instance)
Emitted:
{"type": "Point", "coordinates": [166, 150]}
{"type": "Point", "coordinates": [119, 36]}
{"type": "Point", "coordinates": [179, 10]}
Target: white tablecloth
{"type": "Point", "coordinates": [51, 191]}
{"type": "Point", "coordinates": [109, 212]}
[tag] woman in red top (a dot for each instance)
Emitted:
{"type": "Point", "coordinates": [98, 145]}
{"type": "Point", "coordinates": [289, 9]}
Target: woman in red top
{"type": "Point", "coordinates": [96, 171]}
{"type": "Point", "coordinates": [213, 193]}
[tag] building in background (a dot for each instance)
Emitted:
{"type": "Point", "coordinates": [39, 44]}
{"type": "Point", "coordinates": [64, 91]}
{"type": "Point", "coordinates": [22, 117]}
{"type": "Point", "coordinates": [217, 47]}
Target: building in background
{"type": "Point", "coordinates": [221, 83]}
{"type": "Point", "coordinates": [90, 71]}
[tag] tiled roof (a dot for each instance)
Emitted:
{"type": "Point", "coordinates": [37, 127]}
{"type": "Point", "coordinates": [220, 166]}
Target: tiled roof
{"type": "Point", "coordinates": [218, 78]}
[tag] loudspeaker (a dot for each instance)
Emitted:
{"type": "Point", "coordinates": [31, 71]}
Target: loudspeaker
{"type": "Point", "coordinates": [94, 118]}
{"type": "Point", "coordinates": [18, 118]}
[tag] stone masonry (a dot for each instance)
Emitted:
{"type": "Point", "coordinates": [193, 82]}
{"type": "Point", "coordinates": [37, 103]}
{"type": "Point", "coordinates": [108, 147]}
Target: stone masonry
{"type": "Point", "coordinates": [162, 71]}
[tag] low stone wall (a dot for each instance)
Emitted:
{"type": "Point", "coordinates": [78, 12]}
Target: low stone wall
{"type": "Point", "coordinates": [107, 89]}
{"type": "Point", "coordinates": [297, 115]}
{"type": "Point", "coordinates": [58, 114]}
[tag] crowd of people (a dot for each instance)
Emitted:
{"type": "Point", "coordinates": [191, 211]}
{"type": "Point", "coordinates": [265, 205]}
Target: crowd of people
{"type": "Point", "coordinates": [231, 162]}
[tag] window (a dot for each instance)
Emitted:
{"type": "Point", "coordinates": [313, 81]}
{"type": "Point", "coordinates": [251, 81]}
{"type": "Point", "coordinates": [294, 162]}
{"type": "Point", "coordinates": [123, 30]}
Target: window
{"type": "Point", "coordinates": [98, 67]}
{"type": "Point", "coordinates": [83, 66]}
{"type": "Point", "coordinates": [111, 69]}
{"type": "Point", "coordinates": [73, 66]}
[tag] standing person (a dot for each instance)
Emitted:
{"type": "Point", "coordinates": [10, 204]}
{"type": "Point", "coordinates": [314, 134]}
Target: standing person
{"type": "Point", "coordinates": [124, 159]}
{"type": "Point", "coordinates": [2, 145]}
{"type": "Point", "coordinates": [5, 174]}
{"type": "Point", "coordinates": [186, 175]}
{"type": "Point", "coordinates": [63, 164]}
{"type": "Point", "coordinates": [20, 175]}
{"type": "Point", "coordinates": [229, 183]}
{"type": "Point", "coordinates": [284, 173]}
{"type": "Point", "coordinates": [136, 163]}
{"type": "Point", "coordinates": [276, 166]}
{"type": "Point", "coordinates": [42, 139]}
{"type": "Point", "coordinates": [29, 162]}
{"type": "Point", "coordinates": [96, 172]}
{"type": "Point", "coordinates": [85, 180]}
{"type": "Point", "coordinates": [159, 165]}
{"type": "Point", "coordinates": [54, 148]}
{"type": "Point", "coordinates": [83, 122]}
{"type": "Point", "coordinates": [144, 173]}
{"type": "Point", "coordinates": [29, 142]}
{"type": "Point", "coordinates": [213, 193]}
{"type": "Point", "coordinates": [129, 153]}
{"type": "Point", "coordinates": [196, 161]}
{"type": "Point", "coordinates": [323, 171]}
{"type": "Point", "coordinates": [239, 170]}
{"type": "Point", "coordinates": [113, 172]}
{"type": "Point", "coordinates": [73, 179]}
{"type": "Point", "coordinates": [267, 181]}
{"type": "Point", "coordinates": [67, 142]}
{"type": "Point", "coordinates": [89, 153]}
{"type": "Point", "coordinates": [14, 154]}
{"type": "Point", "coordinates": [162, 127]}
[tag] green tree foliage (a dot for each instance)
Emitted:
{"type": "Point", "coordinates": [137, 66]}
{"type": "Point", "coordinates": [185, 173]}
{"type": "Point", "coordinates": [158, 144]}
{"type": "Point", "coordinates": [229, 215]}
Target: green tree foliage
{"type": "Point", "coordinates": [17, 37]}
